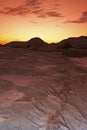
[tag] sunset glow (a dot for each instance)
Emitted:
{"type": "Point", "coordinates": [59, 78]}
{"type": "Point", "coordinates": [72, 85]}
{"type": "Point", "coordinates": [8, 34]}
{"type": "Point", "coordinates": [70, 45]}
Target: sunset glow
{"type": "Point", "coordinates": [51, 20]}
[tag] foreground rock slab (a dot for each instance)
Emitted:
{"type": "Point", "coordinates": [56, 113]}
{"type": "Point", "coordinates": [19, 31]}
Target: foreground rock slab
{"type": "Point", "coordinates": [42, 91]}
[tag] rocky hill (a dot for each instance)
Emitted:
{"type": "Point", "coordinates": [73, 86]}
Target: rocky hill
{"type": "Point", "coordinates": [74, 42]}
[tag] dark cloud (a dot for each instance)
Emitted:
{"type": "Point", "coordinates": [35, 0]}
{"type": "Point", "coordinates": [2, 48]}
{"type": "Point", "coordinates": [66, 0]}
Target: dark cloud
{"type": "Point", "coordinates": [82, 19]}
{"type": "Point", "coordinates": [50, 14]}
{"type": "Point", "coordinates": [32, 2]}
{"type": "Point", "coordinates": [24, 9]}
{"type": "Point", "coordinates": [37, 11]}
{"type": "Point", "coordinates": [20, 10]}
{"type": "Point", "coordinates": [33, 7]}
{"type": "Point", "coordinates": [53, 14]}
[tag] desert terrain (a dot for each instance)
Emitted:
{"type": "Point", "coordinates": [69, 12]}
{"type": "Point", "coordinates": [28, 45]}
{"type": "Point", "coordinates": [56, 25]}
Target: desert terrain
{"type": "Point", "coordinates": [42, 90]}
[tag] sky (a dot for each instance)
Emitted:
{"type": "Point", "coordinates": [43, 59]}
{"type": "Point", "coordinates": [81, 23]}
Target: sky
{"type": "Point", "coordinates": [51, 20]}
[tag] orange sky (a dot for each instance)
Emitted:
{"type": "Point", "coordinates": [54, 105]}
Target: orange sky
{"type": "Point", "coordinates": [51, 20]}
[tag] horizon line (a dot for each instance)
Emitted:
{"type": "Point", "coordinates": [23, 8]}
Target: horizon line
{"type": "Point", "coordinates": [41, 39]}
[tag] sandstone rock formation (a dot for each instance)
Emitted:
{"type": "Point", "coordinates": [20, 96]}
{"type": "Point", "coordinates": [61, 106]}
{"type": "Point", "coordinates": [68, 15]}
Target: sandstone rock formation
{"type": "Point", "coordinates": [42, 90]}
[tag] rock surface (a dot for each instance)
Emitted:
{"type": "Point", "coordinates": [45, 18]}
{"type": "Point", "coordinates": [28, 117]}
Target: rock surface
{"type": "Point", "coordinates": [42, 91]}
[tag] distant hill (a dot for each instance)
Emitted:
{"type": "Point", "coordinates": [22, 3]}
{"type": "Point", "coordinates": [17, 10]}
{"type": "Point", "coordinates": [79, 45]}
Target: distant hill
{"type": "Point", "coordinates": [73, 47]}
{"type": "Point", "coordinates": [37, 44]}
{"type": "Point", "coordinates": [16, 44]}
{"type": "Point", "coordinates": [74, 42]}
{"type": "Point", "coordinates": [34, 43]}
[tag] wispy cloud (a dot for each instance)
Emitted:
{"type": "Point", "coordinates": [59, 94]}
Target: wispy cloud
{"type": "Point", "coordinates": [54, 14]}
{"type": "Point", "coordinates": [82, 19]}
{"type": "Point", "coordinates": [31, 2]}
{"type": "Point", "coordinates": [33, 7]}
{"type": "Point", "coordinates": [20, 10]}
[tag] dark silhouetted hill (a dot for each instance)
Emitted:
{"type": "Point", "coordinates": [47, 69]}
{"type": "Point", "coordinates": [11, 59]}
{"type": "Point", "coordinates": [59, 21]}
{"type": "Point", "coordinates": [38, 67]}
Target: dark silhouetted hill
{"type": "Point", "coordinates": [74, 46]}
{"type": "Point", "coordinates": [33, 44]}
{"type": "Point", "coordinates": [36, 44]}
{"type": "Point", "coordinates": [74, 42]}
{"type": "Point", "coordinates": [0, 45]}
{"type": "Point", "coordinates": [16, 44]}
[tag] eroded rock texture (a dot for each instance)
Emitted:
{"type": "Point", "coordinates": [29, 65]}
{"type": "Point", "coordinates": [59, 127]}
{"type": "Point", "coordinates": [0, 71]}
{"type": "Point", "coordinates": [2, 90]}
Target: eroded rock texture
{"type": "Point", "coordinates": [42, 91]}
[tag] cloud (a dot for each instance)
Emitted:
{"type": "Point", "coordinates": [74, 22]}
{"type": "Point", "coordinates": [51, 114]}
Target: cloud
{"type": "Point", "coordinates": [20, 10]}
{"type": "Point", "coordinates": [47, 14]}
{"type": "Point", "coordinates": [35, 7]}
{"type": "Point", "coordinates": [82, 19]}
{"type": "Point", "coordinates": [31, 2]}
{"type": "Point", "coordinates": [54, 14]}
{"type": "Point", "coordinates": [24, 9]}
